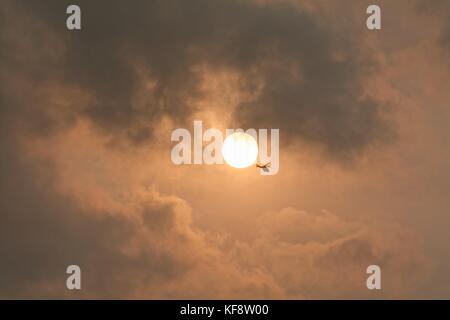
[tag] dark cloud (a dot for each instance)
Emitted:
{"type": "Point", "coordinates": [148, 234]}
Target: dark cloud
{"type": "Point", "coordinates": [311, 74]}
{"type": "Point", "coordinates": [327, 257]}
{"type": "Point", "coordinates": [307, 79]}
{"type": "Point", "coordinates": [42, 232]}
{"type": "Point", "coordinates": [440, 9]}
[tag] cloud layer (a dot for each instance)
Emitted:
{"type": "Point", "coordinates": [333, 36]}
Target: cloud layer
{"type": "Point", "coordinates": [306, 77]}
{"type": "Point", "coordinates": [86, 179]}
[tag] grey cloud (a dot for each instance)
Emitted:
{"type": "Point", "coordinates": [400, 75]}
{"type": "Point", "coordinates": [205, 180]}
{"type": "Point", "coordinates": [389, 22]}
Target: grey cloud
{"type": "Point", "coordinates": [50, 77]}
{"type": "Point", "coordinates": [308, 92]}
{"type": "Point", "coordinates": [332, 264]}
{"type": "Point", "coordinates": [151, 250]}
{"type": "Point", "coordinates": [438, 9]}
{"type": "Point", "coordinates": [41, 233]}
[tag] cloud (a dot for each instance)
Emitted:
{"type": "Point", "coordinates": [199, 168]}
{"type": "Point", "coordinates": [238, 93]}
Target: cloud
{"type": "Point", "coordinates": [294, 226]}
{"type": "Point", "coordinates": [77, 186]}
{"type": "Point", "coordinates": [440, 8]}
{"type": "Point", "coordinates": [42, 232]}
{"type": "Point", "coordinates": [135, 242]}
{"type": "Point", "coordinates": [327, 256]}
{"type": "Point", "coordinates": [304, 81]}
{"type": "Point", "coordinates": [131, 243]}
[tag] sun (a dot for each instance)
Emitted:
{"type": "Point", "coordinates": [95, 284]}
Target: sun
{"type": "Point", "coordinates": [240, 150]}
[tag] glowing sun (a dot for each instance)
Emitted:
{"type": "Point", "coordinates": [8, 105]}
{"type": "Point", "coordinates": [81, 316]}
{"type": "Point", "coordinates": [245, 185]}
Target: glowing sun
{"type": "Point", "coordinates": [240, 150]}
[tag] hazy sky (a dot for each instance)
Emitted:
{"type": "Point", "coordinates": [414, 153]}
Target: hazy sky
{"type": "Point", "coordinates": [87, 179]}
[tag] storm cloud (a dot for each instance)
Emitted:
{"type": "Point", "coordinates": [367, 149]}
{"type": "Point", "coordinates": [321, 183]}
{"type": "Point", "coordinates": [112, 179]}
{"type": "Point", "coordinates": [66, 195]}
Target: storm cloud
{"type": "Point", "coordinates": [306, 76]}
{"type": "Point", "coordinates": [85, 122]}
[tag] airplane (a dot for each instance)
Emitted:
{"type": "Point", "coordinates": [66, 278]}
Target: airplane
{"type": "Point", "coordinates": [264, 167]}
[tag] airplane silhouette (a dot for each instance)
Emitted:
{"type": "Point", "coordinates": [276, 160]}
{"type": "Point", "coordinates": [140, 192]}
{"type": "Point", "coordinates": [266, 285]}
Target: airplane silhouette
{"type": "Point", "coordinates": [264, 167]}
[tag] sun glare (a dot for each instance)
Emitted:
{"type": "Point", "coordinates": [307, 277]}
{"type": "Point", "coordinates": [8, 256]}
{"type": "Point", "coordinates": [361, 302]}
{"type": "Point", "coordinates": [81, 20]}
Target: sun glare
{"type": "Point", "coordinates": [240, 150]}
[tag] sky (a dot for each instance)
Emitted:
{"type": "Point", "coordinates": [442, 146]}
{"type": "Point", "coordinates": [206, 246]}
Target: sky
{"type": "Point", "coordinates": [87, 179]}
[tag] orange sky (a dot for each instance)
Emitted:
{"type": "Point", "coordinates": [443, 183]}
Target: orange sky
{"type": "Point", "coordinates": [86, 119]}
